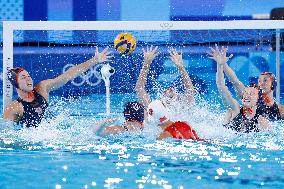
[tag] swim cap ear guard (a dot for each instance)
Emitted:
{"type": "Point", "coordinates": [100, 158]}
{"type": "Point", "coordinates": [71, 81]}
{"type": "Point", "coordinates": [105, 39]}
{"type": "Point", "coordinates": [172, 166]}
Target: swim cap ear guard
{"type": "Point", "coordinates": [134, 111]}
{"type": "Point", "coordinates": [273, 78]}
{"type": "Point", "coordinates": [157, 112]}
{"type": "Point", "coordinates": [13, 75]}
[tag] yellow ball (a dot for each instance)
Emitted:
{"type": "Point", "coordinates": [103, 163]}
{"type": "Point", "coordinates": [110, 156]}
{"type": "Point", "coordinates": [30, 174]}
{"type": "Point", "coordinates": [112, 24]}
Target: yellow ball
{"type": "Point", "coordinates": [125, 43]}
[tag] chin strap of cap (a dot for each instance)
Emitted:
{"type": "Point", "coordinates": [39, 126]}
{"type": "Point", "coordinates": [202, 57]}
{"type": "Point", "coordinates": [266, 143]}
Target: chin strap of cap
{"type": "Point", "coordinates": [247, 111]}
{"type": "Point", "coordinates": [163, 119]}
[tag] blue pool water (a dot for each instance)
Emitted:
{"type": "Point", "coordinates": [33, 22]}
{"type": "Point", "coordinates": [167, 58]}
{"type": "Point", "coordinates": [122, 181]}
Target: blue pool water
{"type": "Point", "coordinates": [65, 153]}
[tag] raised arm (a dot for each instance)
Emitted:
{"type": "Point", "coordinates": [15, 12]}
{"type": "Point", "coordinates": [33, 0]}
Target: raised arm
{"type": "Point", "coordinates": [75, 71]}
{"type": "Point", "coordinates": [228, 100]}
{"type": "Point", "coordinates": [189, 88]}
{"type": "Point", "coordinates": [238, 85]}
{"type": "Point", "coordinates": [149, 55]}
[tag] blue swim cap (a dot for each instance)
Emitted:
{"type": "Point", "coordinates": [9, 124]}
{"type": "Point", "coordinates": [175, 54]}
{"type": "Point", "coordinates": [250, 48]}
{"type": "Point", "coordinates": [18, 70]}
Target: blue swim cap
{"type": "Point", "coordinates": [134, 111]}
{"type": "Point", "coordinates": [13, 74]}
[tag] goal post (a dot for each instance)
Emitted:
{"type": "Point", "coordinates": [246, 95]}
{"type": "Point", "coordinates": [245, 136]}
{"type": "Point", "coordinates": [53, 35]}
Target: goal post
{"type": "Point", "coordinates": [10, 26]}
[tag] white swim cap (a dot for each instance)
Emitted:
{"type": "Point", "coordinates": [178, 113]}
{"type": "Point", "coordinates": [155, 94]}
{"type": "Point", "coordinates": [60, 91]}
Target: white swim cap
{"type": "Point", "coordinates": [157, 111]}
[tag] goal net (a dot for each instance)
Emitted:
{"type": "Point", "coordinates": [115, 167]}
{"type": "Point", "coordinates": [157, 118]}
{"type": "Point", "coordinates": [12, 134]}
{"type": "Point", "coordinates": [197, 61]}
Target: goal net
{"type": "Point", "coordinates": [47, 49]}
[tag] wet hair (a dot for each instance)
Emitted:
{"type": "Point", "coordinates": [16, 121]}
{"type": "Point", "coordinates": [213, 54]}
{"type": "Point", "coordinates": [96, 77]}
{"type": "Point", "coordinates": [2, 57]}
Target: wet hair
{"type": "Point", "coordinates": [273, 79]}
{"type": "Point", "coordinates": [13, 76]}
{"type": "Point", "coordinates": [134, 111]}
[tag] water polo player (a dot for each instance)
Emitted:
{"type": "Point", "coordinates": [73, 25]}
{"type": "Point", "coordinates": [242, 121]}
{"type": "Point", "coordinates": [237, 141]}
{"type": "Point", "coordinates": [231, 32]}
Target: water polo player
{"type": "Point", "coordinates": [266, 83]}
{"type": "Point", "coordinates": [169, 94]}
{"type": "Point", "coordinates": [32, 101]}
{"type": "Point", "coordinates": [133, 113]}
{"type": "Point", "coordinates": [241, 119]}
{"type": "Point", "coordinates": [158, 115]}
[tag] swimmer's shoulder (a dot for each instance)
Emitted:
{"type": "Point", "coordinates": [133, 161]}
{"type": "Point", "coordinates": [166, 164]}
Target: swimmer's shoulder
{"type": "Point", "coordinates": [112, 130]}
{"type": "Point", "coordinates": [41, 88]}
{"type": "Point", "coordinates": [15, 106]}
{"type": "Point", "coordinates": [13, 111]}
{"type": "Point", "coordinates": [230, 115]}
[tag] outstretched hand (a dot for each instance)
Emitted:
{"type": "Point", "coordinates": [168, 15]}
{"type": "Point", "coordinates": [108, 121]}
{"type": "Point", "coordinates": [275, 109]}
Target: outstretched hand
{"type": "Point", "coordinates": [149, 54]}
{"type": "Point", "coordinates": [176, 57]}
{"type": "Point", "coordinates": [103, 123]}
{"type": "Point", "coordinates": [103, 56]}
{"type": "Point", "coordinates": [109, 120]}
{"type": "Point", "coordinates": [219, 55]}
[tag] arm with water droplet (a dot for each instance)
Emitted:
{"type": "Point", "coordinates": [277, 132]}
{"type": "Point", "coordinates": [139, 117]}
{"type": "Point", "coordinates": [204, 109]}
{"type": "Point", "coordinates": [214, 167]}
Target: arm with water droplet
{"type": "Point", "coordinates": [229, 102]}
{"type": "Point", "coordinates": [178, 61]}
{"type": "Point", "coordinates": [103, 125]}
{"type": "Point", "coordinates": [44, 87]}
{"type": "Point", "coordinates": [13, 111]}
{"type": "Point", "coordinates": [149, 54]}
{"type": "Point", "coordinates": [223, 59]}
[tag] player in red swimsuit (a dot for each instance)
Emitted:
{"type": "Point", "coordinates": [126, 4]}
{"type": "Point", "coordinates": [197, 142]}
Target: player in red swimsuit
{"type": "Point", "coordinates": [157, 113]}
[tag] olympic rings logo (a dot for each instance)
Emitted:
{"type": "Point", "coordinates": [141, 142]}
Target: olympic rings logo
{"type": "Point", "coordinates": [89, 76]}
{"type": "Point", "coordinates": [166, 25]}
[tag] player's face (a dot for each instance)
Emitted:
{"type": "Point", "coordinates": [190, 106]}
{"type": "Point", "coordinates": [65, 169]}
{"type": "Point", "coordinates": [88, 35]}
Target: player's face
{"type": "Point", "coordinates": [250, 97]}
{"type": "Point", "coordinates": [265, 83]}
{"type": "Point", "coordinates": [25, 81]}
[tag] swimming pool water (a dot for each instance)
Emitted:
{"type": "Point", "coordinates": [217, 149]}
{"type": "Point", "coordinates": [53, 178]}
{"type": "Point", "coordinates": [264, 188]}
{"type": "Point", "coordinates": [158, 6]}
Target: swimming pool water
{"type": "Point", "coordinates": [65, 152]}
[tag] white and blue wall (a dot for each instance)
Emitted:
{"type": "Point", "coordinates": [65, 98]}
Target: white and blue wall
{"type": "Point", "coordinates": [248, 63]}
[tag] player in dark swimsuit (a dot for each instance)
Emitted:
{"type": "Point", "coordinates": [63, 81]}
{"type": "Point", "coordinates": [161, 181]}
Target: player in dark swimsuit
{"type": "Point", "coordinates": [241, 119]}
{"type": "Point", "coordinates": [32, 101]}
{"type": "Point", "coordinates": [267, 106]}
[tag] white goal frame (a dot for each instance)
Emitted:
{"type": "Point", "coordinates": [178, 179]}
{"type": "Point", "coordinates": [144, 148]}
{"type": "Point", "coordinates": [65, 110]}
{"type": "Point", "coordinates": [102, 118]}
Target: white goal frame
{"type": "Point", "coordinates": [10, 26]}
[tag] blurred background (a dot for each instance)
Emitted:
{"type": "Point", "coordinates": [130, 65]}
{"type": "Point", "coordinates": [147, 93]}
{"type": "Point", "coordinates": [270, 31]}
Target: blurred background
{"type": "Point", "coordinates": [136, 9]}
{"type": "Point", "coordinates": [44, 54]}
